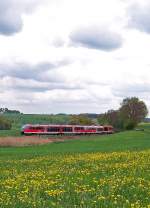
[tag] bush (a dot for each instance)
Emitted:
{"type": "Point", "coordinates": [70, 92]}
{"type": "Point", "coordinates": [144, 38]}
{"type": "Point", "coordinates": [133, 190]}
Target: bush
{"type": "Point", "coordinates": [129, 125]}
{"type": "Point", "coordinates": [5, 124]}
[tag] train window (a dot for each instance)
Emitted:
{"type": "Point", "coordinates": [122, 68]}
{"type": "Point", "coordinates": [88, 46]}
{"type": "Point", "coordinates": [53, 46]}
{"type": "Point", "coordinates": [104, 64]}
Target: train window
{"type": "Point", "coordinates": [32, 128]}
{"type": "Point", "coordinates": [78, 128]}
{"type": "Point", "coordinates": [53, 129]}
{"type": "Point", "coordinates": [100, 129]}
{"type": "Point", "coordinates": [40, 128]}
{"type": "Point", "coordinates": [90, 128]}
{"type": "Point", "coordinates": [25, 127]}
{"type": "Point", "coordinates": [36, 128]}
{"type": "Point", "coordinates": [67, 129]}
{"type": "Point", "coordinates": [105, 128]}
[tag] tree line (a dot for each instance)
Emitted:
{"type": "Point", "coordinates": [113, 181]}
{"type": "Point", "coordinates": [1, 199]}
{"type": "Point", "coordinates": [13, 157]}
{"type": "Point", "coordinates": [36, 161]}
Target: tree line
{"type": "Point", "coordinates": [130, 113]}
{"type": "Point", "coordinates": [6, 111]}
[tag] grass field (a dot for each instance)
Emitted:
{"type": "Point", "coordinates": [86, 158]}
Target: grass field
{"type": "Point", "coordinates": [94, 171]}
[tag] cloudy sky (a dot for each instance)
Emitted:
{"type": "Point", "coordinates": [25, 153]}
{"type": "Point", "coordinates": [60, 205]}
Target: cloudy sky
{"type": "Point", "coordinates": [73, 56]}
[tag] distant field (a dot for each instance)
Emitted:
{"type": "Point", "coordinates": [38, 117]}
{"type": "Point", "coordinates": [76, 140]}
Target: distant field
{"type": "Point", "coordinates": [145, 126]}
{"type": "Point", "coordinates": [94, 171]}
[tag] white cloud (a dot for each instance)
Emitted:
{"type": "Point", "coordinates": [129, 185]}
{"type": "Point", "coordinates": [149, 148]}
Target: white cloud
{"type": "Point", "coordinates": [41, 72]}
{"type": "Point", "coordinates": [11, 12]}
{"type": "Point", "coordinates": [96, 37]}
{"type": "Point", "coordinates": [139, 16]}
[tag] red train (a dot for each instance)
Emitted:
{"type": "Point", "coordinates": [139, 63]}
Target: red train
{"type": "Point", "coordinates": [29, 129]}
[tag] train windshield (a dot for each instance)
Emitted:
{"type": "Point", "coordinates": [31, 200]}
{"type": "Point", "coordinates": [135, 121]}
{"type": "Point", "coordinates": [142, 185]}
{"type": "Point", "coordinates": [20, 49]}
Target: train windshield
{"type": "Point", "coordinates": [24, 127]}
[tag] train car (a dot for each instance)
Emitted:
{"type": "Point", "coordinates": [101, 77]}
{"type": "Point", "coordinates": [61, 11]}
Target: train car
{"type": "Point", "coordinates": [38, 129]}
{"type": "Point", "coordinates": [108, 129]}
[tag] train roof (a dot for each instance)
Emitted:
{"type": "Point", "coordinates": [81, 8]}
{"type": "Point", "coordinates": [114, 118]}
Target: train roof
{"type": "Point", "coordinates": [58, 125]}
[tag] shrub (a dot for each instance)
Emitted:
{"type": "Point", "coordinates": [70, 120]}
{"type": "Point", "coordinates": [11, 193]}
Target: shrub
{"type": "Point", "coordinates": [5, 124]}
{"type": "Point", "coordinates": [129, 125]}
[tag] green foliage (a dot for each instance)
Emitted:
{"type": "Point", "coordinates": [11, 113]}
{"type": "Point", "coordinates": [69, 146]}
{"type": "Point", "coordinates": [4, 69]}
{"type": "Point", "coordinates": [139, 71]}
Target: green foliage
{"type": "Point", "coordinates": [131, 112]}
{"type": "Point", "coordinates": [6, 110]}
{"type": "Point", "coordinates": [80, 120]}
{"type": "Point", "coordinates": [129, 125]}
{"type": "Point", "coordinates": [110, 117]}
{"type": "Point", "coordinates": [5, 124]}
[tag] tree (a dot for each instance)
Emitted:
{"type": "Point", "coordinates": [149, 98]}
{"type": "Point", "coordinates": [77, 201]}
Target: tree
{"type": "Point", "coordinates": [6, 111]}
{"type": "Point", "coordinates": [111, 117]}
{"type": "Point", "coordinates": [132, 111]}
{"type": "Point", "coordinates": [5, 124]}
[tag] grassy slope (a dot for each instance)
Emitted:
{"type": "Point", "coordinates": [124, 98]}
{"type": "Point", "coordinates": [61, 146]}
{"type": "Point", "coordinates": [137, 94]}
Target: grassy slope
{"type": "Point", "coordinates": [131, 140]}
{"type": "Point", "coordinates": [124, 141]}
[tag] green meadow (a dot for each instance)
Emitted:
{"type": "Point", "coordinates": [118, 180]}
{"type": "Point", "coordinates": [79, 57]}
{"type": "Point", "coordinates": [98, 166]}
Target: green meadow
{"type": "Point", "coordinates": [93, 171]}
